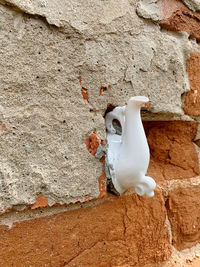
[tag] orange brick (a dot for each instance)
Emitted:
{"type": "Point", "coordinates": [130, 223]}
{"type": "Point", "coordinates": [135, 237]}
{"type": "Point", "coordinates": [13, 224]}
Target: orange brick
{"type": "Point", "coordinates": [173, 155]}
{"type": "Point", "coordinates": [122, 230]}
{"type": "Point", "coordinates": [192, 100]}
{"type": "Point", "coordinates": [184, 215]}
{"type": "Point", "coordinates": [177, 17]}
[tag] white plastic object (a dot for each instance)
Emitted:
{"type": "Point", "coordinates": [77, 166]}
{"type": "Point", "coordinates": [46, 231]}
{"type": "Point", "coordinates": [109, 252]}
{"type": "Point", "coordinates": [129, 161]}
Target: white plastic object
{"type": "Point", "coordinates": [128, 154]}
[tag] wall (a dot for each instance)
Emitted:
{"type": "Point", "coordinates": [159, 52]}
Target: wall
{"type": "Point", "coordinates": [62, 65]}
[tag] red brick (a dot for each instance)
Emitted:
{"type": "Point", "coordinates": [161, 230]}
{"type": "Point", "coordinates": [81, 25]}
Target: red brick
{"type": "Point", "coordinates": [121, 231]}
{"type": "Point", "coordinates": [173, 155]}
{"type": "Point", "coordinates": [184, 215]}
{"type": "Point", "coordinates": [177, 17]}
{"type": "Point", "coordinates": [192, 100]}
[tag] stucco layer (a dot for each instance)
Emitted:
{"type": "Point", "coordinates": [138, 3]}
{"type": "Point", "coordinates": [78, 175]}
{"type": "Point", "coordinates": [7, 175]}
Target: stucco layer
{"type": "Point", "coordinates": [192, 4]}
{"type": "Point", "coordinates": [122, 231]}
{"type": "Point", "coordinates": [61, 65]}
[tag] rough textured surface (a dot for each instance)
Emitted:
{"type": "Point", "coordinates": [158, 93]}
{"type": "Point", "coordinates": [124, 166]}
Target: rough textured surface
{"type": "Point", "coordinates": [63, 63]}
{"type": "Point", "coordinates": [184, 258]}
{"type": "Point", "coordinates": [173, 155]}
{"type": "Point", "coordinates": [178, 17]}
{"type": "Point", "coordinates": [173, 15]}
{"type": "Point", "coordinates": [149, 10]}
{"type": "Point", "coordinates": [192, 100]}
{"type": "Point", "coordinates": [169, 7]}
{"type": "Point", "coordinates": [92, 143]}
{"type": "Point", "coordinates": [184, 215]}
{"type": "Point", "coordinates": [192, 4]}
{"type": "Point", "coordinates": [52, 98]}
{"type": "Point", "coordinates": [124, 231]}
{"type": "Point", "coordinates": [178, 262]}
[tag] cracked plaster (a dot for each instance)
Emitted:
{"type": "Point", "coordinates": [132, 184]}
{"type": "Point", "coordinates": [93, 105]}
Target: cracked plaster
{"type": "Point", "coordinates": [46, 120]}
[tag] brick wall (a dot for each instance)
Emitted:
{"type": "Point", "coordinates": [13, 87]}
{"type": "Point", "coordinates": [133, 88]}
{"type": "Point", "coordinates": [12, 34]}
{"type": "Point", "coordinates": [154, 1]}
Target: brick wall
{"type": "Point", "coordinates": [62, 66]}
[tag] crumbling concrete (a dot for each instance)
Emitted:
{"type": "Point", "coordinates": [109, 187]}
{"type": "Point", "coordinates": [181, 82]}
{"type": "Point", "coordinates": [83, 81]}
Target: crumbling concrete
{"type": "Point", "coordinates": [61, 65]}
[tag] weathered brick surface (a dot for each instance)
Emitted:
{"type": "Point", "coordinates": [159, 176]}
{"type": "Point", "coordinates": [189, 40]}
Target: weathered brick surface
{"type": "Point", "coordinates": [192, 100]}
{"type": "Point", "coordinates": [122, 231]}
{"type": "Point", "coordinates": [177, 17]}
{"type": "Point", "coordinates": [184, 215]}
{"type": "Point", "coordinates": [173, 155]}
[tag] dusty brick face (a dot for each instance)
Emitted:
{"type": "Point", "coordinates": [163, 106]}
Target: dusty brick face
{"type": "Point", "coordinates": [192, 100]}
{"type": "Point", "coordinates": [177, 17]}
{"type": "Point", "coordinates": [122, 231]}
{"type": "Point", "coordinates": [173, 155]}
{"type": "Point", "coordinates": [184, 215]}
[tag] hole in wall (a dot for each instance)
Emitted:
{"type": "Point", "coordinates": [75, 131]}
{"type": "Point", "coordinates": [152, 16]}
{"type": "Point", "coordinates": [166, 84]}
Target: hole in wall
{"type": "Point", "coordinates": [116, 123]}
{"type": "Point", "coordinates": [110, 108]}
{"type": "Point", "coordinates": [183, 96]}
{"type": "Point", "coordinates": [193, 37]}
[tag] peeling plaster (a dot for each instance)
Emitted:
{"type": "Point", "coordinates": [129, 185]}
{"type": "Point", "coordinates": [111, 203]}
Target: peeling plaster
{"type": "Point", "coordinates": [44, 117]}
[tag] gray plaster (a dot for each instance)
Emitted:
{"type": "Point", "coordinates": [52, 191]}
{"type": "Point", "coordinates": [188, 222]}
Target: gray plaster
{"type": "Point", "coordinates": [149, 9]}
{"type": "Point", "coordinates": [44, 49]}
{"type": "Point", "coordinates": [194, 5]}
